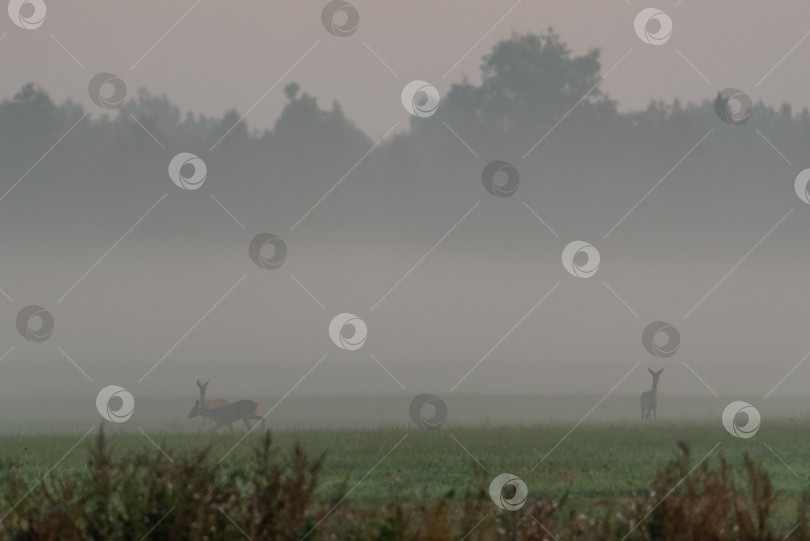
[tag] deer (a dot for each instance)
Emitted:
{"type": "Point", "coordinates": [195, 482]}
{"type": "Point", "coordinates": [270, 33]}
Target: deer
{"type": "Point", "coordinates": [649, 399]}
{"type": "Point", "coordinates": [210, 404]}
{"type": "Point", "coordinates": [227, 414]}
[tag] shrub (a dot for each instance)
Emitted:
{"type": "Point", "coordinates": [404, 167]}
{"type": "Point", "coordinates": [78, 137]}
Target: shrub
{"type": "Point", "coordinates": [144, 494]}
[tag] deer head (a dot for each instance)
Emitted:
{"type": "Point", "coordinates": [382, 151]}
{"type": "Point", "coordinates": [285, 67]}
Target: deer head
{"type": "Point", "coordinates": [656, 375]}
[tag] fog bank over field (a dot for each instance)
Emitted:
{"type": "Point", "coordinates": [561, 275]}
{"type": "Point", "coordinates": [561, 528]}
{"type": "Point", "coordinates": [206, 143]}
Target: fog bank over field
{"type": "Point", "coordinates": [161, 412]}
{"type": "Point", "coordinates": [464, 293]}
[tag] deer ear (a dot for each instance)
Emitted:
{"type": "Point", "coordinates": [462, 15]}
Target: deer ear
{"type": "Point", "coordinates": [650, 371]}
{"type": "Point", "coordinates": [659, 372]}
{"type": "Point", "coordinates": [207, 382]}
{"type": "Point", "coordinates": [199, 384]}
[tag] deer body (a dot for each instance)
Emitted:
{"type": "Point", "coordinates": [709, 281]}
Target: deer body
{"type": "Point", "coordinates": [649, 399]}
{"type": "Point", "coordinates": [227, 414]}
{"type": "Point", "coordinates": [210, 404]}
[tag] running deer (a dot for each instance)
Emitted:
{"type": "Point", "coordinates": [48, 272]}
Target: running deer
{"type": "Point", "coordinates": [649, 399]}
{"type": "Point", "coordinates": [227, 414]}
{"type": "Point", "coordinates": [210, 404]}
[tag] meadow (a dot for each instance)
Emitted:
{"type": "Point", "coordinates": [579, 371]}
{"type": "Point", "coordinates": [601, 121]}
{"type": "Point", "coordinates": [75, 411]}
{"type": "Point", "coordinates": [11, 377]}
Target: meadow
{"type": "Point", "coordinates": [596, 472]}
{"type": "Point", "coordinates": [597, 463]}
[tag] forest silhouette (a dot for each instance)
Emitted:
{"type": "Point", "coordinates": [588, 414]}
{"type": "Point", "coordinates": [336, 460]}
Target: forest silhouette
{"type": "Point", "coordinates": [593, 163]}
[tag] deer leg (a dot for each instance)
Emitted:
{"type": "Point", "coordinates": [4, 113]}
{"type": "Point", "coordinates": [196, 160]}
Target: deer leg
{"type": "Point", "coordinates": [247, 424]}
{"type": "Point", "coordinates": [653, 412]}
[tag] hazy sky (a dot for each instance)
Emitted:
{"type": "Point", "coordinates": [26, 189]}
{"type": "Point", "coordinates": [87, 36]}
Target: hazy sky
{"type": "Point", "coordinates": [229, 54]}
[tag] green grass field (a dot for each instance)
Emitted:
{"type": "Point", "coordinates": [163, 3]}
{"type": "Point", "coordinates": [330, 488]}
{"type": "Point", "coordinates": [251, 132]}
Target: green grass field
{"type": "Point", "coordinates": [401, 479]}
{"type": "Point", "coordinates": [596, 463]}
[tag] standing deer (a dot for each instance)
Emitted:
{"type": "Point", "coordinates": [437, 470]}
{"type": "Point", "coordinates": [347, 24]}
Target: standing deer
{"type": "Point", "coordinates": [649, 399]}
{"type": "Point", "coordinates": [210, 404]}
{"type": "Point", "coordinates": [227, 414]}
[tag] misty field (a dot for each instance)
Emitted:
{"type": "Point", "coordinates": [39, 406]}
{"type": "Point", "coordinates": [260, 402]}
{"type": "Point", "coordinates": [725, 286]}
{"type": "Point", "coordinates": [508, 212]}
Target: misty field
{"type": "Point", "coordinates": [602, 468]}
{"type": "Point", "coordinates": [598, 463]}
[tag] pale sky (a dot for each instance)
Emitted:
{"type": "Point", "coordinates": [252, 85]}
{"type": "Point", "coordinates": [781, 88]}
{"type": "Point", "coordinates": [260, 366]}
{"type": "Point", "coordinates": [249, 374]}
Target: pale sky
{"type": "Point", "coordinates": [211, 56]}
